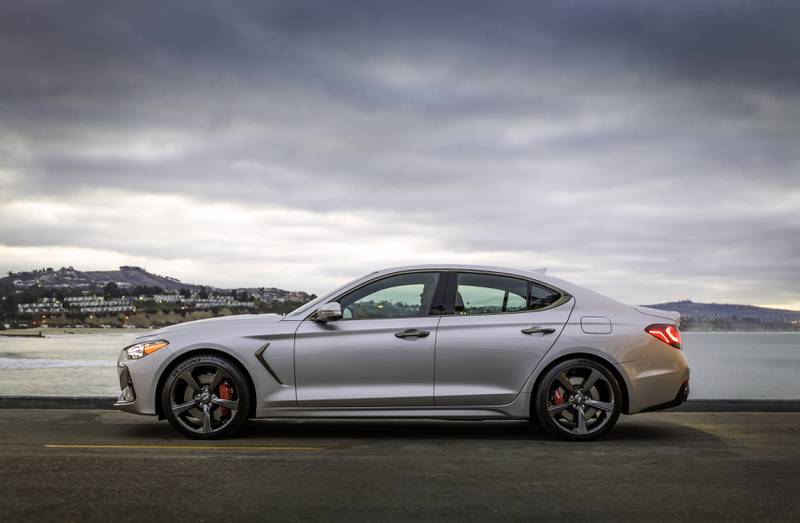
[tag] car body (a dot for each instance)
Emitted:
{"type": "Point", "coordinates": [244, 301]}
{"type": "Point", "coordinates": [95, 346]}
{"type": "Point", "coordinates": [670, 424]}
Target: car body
{"type": "Point", "coordinates": [426, 341]}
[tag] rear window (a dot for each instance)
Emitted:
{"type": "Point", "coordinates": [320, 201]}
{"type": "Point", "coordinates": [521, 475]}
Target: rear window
{"type": "Point", "coordinates": [542, 296]}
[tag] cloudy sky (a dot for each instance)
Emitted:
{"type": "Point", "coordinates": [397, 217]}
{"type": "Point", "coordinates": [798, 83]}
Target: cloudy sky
{"type": "Point", "coordinates": [650, 150]}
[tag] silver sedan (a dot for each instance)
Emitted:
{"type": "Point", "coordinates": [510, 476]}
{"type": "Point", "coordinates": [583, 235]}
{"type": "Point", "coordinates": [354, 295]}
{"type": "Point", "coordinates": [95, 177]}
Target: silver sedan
{"type": "Point", "coordinates": [433, 341]}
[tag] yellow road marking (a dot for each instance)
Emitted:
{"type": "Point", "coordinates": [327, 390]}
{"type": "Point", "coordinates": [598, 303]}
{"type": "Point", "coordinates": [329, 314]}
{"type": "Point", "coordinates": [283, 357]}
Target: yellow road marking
{"type": "Point", "coordinates": [184, 447]}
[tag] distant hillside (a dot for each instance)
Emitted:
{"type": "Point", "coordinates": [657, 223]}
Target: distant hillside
{"type": "Point", "coordinates": [707, 311]}
{"type": "Point", "coordinates": [128, 297]}
{"type": "Point", "coordinates": [725, 316]}
{"type": "Point", "coordinates": [70, 278]}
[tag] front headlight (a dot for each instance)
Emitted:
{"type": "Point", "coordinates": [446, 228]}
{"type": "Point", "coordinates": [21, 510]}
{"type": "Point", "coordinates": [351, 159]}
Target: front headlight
{"type": "Point", "coordinates": [140, 350]}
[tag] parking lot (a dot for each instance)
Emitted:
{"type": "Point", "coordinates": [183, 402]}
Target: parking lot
{"type": "Point", "coordinates": [102, 465]}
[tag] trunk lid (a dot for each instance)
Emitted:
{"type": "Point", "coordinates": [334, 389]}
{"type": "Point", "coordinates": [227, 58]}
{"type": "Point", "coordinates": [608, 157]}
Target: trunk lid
{"type": "Point", "coordinates": [658, 313]}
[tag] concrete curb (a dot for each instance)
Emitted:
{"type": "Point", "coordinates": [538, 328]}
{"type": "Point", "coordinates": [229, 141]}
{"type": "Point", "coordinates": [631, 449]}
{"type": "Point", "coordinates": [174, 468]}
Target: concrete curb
{"type": "Point", "coordinates": [106, 403]}
{"type": "Point", "coordinates": [739, 406]}
{"type": "Point", "coordinates": [56, 402]}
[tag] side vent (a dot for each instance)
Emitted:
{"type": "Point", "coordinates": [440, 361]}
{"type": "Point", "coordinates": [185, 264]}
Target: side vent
{"type": "Point", "coordinates": [260, 356]}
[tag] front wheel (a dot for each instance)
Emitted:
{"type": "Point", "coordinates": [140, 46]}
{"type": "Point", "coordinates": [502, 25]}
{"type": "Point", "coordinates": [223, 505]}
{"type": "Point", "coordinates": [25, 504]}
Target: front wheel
{"type": "Point", "coordinates": [578, 400]}
{"type": "Point", "coordinates": [206, 397]}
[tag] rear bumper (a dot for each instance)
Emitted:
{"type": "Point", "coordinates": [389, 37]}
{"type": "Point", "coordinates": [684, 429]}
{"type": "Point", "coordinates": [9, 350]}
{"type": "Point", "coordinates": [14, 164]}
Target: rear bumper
{"type": "Point", "coordinates": [659, 379]}
{"type": "Point", "coordinates": [683, 395]}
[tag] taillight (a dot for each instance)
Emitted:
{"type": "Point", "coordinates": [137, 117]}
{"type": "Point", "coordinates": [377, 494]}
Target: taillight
{"type": "Point", "coordinates": [669, 334]}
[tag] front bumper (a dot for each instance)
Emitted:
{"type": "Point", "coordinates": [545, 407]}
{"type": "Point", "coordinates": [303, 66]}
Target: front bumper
{"type": "Point", "coordinates": [128, 394]}
{"type": "Point", "coordinates": [138, 380]}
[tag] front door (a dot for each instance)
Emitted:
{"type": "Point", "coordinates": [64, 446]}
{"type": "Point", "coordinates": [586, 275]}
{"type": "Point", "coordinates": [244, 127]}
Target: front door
{"type": "Point", "coordinates": [381, 353]}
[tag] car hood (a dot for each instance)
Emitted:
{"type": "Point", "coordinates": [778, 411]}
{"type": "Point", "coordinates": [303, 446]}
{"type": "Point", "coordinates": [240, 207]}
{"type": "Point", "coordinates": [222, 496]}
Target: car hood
{"type": "Point", "coordinates": [222, 321]}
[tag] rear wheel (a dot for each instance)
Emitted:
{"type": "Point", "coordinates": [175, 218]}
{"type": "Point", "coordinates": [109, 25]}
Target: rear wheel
{"type": "Point", "coordinates": [206, 397]}
{"type": "Point", "coordinates": [578, 400]}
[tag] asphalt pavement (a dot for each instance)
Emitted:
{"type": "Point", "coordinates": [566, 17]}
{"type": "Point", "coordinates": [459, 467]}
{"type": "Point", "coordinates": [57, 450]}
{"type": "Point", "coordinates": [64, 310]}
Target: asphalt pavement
{"type": "Point", "coordinates": [98, 465]}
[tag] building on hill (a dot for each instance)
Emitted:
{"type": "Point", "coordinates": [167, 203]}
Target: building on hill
{"type": "Point", "coordinates": [167, 298]}
{"type": "Point", "coordinates": [219, 301]}
{"type": "Point", "coordinates": [43, 305]}
{"type": "Point", "coordinates": [77, 301]}
{"type": "Point", "coordinates": [95, 304]}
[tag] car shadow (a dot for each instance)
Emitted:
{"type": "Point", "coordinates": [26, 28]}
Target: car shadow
{"type": "Point", "coordinates": [628, 431]}
{"type": "Point", "coordinates": [663, 432]}
{"type": "Point", "coordinates": [397, 429]}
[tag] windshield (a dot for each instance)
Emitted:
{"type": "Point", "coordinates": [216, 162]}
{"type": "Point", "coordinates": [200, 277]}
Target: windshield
{"type": "Point", "coordinates": [322, 299]}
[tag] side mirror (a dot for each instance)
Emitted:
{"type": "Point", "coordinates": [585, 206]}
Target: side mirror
{"type": "Point", "coordinates": [331, 311]}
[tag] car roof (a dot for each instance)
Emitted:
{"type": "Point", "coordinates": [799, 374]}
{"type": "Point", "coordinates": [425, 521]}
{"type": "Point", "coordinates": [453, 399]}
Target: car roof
{"type": "Point", "coordinates": [465, 267]}
{"type": "Point", "coordinates": [532, 274]}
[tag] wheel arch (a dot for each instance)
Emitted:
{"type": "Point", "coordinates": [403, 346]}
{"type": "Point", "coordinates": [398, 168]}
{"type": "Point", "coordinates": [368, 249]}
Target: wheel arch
{"type": "Point", "coordinates": [623, 384]}
{"type": "Point", "coordinates": [182, 356]}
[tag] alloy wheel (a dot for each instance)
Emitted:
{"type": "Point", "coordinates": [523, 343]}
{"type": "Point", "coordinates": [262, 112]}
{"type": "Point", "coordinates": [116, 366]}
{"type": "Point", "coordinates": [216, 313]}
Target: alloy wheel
{"type": "Point", "coordinates": [580, 400]}
{"type": "Point", "coordinates": [204, 398]}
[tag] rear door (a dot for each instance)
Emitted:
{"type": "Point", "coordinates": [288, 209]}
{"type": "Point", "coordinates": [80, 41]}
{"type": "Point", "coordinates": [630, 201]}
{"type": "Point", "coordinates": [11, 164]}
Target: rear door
{"type": "Point", "coordinates": [500, 328]}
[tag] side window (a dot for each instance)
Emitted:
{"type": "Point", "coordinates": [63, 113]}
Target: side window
{"type": "Point", "coordinates": [489, 293]}
{"type": "Point", "coordinates": [401, 296]}
{"type": "Point", "coordinates": [542, 297]}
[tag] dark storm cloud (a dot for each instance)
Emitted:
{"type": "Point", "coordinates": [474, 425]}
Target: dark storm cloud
{"type": "Point", "coordinates": [617, 141]}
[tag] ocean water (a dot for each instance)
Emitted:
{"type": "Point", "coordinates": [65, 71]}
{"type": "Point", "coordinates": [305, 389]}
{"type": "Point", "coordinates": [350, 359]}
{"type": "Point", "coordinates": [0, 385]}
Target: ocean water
{"type": "Point", "coordinates": [725, 365]}
{"type": "Point", "coordinates": [743, 365]}
{"type": "Point", "coordinates": [61, 365]}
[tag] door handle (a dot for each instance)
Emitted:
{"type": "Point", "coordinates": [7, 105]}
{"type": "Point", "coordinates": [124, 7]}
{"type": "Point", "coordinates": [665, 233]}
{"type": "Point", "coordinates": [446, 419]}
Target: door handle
{"type": "Point", "coordinates": [538, 330]}
{"type": "Point", "coordinates": [411, 333]}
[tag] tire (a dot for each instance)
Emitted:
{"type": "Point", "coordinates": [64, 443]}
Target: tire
{"type": "Point", "coordinates": [568, 410]}
{"type": "Point", "coordinates": [206, 397]}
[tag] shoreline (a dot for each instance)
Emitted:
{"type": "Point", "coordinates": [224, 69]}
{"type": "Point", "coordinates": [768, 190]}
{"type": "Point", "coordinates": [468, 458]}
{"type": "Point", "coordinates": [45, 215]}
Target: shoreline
{"type": "Point", "coordinates": [59, 331]}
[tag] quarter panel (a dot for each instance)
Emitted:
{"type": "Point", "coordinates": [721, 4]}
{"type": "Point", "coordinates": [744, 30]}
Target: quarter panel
{"type": "Point", "coordinates": [625, 342]}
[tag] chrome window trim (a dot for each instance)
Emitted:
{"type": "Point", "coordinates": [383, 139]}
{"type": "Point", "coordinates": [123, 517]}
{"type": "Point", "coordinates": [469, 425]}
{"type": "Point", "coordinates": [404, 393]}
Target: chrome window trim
{"type": "Point", "coordinates": [565, 296]}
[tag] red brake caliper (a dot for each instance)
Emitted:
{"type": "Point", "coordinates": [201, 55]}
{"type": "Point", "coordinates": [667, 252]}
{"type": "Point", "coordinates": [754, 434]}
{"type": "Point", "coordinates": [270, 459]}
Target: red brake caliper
{"type": "Point", "coordinates": [226, 393]}
{"type": "Point", "coordinates": [558, 397]}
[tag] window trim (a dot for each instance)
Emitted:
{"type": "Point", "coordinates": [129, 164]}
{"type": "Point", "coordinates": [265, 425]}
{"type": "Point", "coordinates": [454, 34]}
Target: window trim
{"type": "Point", "coordinates": [452, 288]}
{"type": "Point", "coordinates": [437, 303]}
